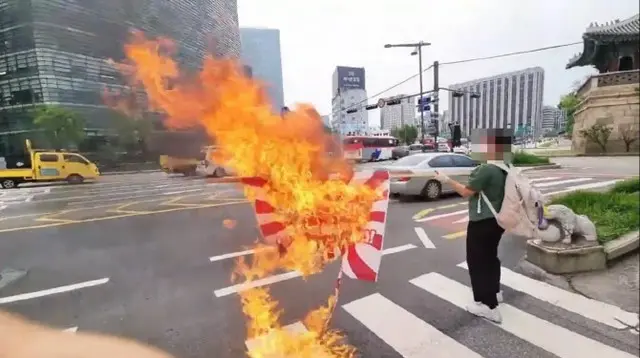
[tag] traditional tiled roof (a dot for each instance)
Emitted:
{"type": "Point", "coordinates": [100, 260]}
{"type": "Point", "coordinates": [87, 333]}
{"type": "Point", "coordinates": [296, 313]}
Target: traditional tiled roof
{"type": "Point", "coordinates": [595, 34]}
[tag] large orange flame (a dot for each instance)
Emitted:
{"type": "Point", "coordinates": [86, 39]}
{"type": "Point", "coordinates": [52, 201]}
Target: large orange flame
{"type": "Point", "coordinates": [321, 214]}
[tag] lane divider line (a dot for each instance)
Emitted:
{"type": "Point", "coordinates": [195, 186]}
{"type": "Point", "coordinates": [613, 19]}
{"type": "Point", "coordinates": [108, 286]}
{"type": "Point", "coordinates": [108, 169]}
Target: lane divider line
{"type": "Point", "coordinates": [455, 235]}
{"type": "Point", "coordinates": [446, 215]}
{"type": "Point", "coordinates": [52, 291]}
{"type": "Point", "coordinates": [230, 290]}
{"type": "Point", "coordinates": [424, 238]}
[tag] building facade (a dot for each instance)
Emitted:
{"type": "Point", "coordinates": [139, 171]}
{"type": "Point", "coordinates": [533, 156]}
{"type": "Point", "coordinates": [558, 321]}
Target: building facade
{"type": "Point", "coordinates": [56, 51]}
{"type": "Point", "coordinates": [509, 100]}
{"type": "Point", "coordinates": [326, 121]}
{"type": "Point", "coordinates": [261, 51]}
{"type": "Point", "coordinates": [553, 119]}
{"type": "Point", "coordinates": [397, 115]}
{"type": "Point", "coordinates": [348, 101]}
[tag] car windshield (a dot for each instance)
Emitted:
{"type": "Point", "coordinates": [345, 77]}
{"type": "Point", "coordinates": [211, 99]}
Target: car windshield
{"type": "Point", "coordinates": [409, 161]}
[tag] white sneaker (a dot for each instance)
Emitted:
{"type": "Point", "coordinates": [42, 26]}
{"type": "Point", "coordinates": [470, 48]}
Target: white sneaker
{"type": "Point", "coordinates": [500, 297]}
{"type": "Point", "coordinates": [482, 310]}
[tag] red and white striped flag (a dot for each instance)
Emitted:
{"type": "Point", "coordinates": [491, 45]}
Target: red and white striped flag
{"type": "Point", "coordinates": [360, 261]}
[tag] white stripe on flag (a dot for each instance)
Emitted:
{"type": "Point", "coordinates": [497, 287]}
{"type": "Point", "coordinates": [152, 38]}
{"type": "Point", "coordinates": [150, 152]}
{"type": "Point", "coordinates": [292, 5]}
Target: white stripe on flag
{"type": "Point", "coordinates": [572, 302]}
{"type": "Point", "coordinates": [407, 334]}
{"type": "Point", "coordinates": [546, 335]}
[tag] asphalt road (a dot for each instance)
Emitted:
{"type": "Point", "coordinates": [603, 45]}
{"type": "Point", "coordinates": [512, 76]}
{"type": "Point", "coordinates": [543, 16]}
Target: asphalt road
{"type": "Point", "coordinates": [148, 257]}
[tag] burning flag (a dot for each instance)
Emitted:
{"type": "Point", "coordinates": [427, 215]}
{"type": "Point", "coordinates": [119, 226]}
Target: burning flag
{"type": "Point", "coordinates": [301, 201]}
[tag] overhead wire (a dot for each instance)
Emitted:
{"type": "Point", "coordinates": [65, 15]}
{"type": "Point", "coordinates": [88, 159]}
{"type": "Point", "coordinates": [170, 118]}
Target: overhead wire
{"type": "Point", "coordinates": [474, 59]}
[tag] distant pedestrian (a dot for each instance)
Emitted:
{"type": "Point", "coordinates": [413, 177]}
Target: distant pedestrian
{"type": "Point", "coordinates": [493, 148]}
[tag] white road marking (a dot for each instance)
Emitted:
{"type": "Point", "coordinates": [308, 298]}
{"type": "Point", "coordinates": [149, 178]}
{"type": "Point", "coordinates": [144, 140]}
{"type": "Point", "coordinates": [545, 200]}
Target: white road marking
{"type": "Point", "coordinates": [391, 323]}
{"type": "Point", "coordinates": [71, 330]}
{"type": "Point", "coordinates": [288, 275]}
{"type": "Point", "coordinates": [601, 184]}
{"type": "Point", "coordinates": [537, 331]}
{"type": "Point", "coordinates": [561, 182]}
{"type": "Point", "coordinates": [569, 301]}
{"type": "Point", "coordinates": [436, 217]}
{"type": "Point", "coordinates": [534, 180]}
{"type": "Point", "coordinates": [2, 207]}
{"type": "Point", "coordinates": [424, 238]}
{"type": "Point", "coordinates": [52, 291]}
{"type": "Point", "coordinates": [463, 220]}
{"type": "Point", "coordinates": [295, 328]}
{"type": "Point", "coordinates": [231, 255]}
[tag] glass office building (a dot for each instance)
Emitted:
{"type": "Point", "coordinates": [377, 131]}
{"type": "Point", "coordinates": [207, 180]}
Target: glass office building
{"type": "Point", "coordinates": [261, 51]}
{"type": "Point", "coordinates": [56, 51]}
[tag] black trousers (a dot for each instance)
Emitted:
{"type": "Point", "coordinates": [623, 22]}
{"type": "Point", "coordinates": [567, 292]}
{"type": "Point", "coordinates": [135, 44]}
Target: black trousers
{"type": "Point", "coordinates": [483, 238]}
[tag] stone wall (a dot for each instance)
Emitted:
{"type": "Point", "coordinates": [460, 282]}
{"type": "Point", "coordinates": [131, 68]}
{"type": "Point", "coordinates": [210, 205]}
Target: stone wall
{"type": "Point", "coordinates": [611, 99]}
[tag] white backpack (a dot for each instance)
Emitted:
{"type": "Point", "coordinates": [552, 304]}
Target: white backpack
{"type": "Point", "coordinates": [521, 207]}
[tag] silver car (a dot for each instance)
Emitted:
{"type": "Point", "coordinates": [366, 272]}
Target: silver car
{"type": "Point", "coordinates": [415, 174]}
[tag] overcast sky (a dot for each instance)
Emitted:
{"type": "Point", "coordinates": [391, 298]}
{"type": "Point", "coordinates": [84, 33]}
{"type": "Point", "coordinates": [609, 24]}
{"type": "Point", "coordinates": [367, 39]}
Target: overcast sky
{"type": "Point", "coordinates": [318, 35]}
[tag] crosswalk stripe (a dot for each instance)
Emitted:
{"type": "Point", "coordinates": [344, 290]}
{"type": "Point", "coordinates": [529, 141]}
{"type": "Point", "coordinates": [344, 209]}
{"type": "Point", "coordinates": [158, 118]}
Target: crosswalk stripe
{"type": "Point", "coordinates": [572, 302]}
{"type": "Point", "coordinates": [407, 334]}
{"type": "Point", "coordinates": [535, 180]}
{"type": "Point", "coordinates": [561, 182]}
{"type": "Point", "coordinates": [546, 335]}
{"type": "Point", "coordinates": [295, 328]}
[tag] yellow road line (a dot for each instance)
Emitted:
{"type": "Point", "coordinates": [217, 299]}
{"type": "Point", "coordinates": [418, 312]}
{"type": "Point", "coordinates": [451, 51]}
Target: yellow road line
{"type": "Point", "coordinates": [423, 213]}
{"type": "Point", "coordinates": [455, 235]}
{"type": "Point", "coordinates": [449, 206]}
{"type": "Point", "coordinates": [62, 223]}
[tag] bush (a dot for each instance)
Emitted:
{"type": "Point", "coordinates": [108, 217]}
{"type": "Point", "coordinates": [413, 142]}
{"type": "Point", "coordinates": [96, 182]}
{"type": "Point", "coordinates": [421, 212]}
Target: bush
{"type": "Point", "coordinates": [627, 186]}
{"type": "Point", "coordinates": [524, 158]}
{"type": "Point", "coordinates": [615, 212]}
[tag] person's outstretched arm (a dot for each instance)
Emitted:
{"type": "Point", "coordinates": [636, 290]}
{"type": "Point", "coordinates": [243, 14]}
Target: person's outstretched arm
{"type": "Point", "coordinates": [20, 338]}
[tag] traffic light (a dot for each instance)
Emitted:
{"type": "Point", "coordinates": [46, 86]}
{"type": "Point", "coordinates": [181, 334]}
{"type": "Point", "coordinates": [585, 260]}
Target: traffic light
{"type": "Point", "coordinates": [393, 102]}
{"type": "Point", "coordinates": [424, 104]}
{"type": "Point", "coordinates": [352, 110]}
{"type": "Point", "coordinates": [371, 106]}
{"type": "Point", "coordinates": [457, 94]}
{"type": "Point", "coordinates": [456, 136]}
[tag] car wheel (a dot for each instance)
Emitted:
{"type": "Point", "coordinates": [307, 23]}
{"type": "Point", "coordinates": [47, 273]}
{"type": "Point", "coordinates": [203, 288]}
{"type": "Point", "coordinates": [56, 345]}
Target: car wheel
{"type": "Point", "coordinates": [75, 179]}
{"type": "Point", "coordinates": [219, 172]}
{"type": "Point", "coordinates": [9, 184]}
{"type": "Point", "coordinates": [432, 190]}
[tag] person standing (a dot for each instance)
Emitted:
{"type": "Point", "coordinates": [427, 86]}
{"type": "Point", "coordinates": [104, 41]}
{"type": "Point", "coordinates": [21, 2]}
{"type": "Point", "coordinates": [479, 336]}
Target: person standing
{"type": "Point", "coordinates": [483, 231]}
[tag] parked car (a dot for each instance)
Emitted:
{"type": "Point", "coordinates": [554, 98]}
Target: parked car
{"type": "Point", "coordinates": [415, 174]}
{"type": "Point", "coordinates": [463, 149]}
{"type": "Point", "coordinates": [400, 152]}
{"type": "Point", "coordinates": [443, 147]}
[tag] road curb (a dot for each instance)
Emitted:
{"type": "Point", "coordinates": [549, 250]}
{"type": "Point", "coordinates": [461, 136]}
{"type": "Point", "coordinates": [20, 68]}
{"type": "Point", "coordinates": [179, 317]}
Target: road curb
{"type": "Point", "coordinates": [132, 172]}
{"type": "Point", "coordinates": [622, 246]}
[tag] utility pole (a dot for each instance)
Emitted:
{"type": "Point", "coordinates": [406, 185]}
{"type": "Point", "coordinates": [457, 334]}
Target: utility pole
{"type": "Point", "coordinates": [417, 51]}
{"type": "Point", "coordinates": [436, 100]}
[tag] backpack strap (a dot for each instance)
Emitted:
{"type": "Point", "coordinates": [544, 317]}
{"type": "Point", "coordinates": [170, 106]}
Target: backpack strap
{"type": "Point", "coordinates": [489, 205]}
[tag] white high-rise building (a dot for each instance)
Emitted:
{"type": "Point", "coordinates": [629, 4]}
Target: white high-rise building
{"type": "Point", "coordinates": [553, 118]}
{"type": "Point", "coordinates": [326, 120]}
{"type": "Point", "coordinates": [509, 100]}
{"type": "Point", "coordinates": [349, 94]}
{"type": "Point", "coordinates": [398, 115]}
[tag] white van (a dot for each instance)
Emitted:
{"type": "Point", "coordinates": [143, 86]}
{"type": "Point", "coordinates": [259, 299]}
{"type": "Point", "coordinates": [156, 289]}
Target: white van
{"type": "Point", "coordinates": [208, 168]}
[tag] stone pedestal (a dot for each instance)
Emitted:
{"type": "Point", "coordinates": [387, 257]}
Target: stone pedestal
{"type": "Point", "coordinates": [559, 258]}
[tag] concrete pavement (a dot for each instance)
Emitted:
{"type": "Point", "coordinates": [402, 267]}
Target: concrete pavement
{"type": "Point", "coordinates": [163, 276]}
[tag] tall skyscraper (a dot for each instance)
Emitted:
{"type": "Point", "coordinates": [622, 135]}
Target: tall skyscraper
{"type": "Point", "coordinates": [397, 115]}
{"type": "Point", "coordinates": [553, 119]}
{"type": "Point", "coordinates": [56, 52]}
{"type": "Point", "coordinates": [261, 51]}
{"type": "Point", "coordinates": [348, 94]}
{"type": "Point", "coordinates": [509, 100]}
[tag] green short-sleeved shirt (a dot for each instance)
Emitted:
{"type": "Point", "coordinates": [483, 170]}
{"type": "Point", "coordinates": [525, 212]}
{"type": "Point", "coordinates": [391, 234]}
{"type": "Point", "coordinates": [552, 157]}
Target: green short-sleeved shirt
{"type": "Point", "coordinates": [489, 179]}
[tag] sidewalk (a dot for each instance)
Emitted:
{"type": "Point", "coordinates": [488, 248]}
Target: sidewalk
{"type": "Point", "coordinates": [618, 285]}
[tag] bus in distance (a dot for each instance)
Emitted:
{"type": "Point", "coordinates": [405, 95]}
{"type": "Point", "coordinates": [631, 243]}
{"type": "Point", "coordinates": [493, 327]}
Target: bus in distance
{"type": "Point", "coordinates": [368, 148]}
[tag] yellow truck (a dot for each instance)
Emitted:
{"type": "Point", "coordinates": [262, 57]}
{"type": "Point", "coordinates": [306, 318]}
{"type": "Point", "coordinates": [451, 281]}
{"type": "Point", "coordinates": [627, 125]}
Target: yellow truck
{"type": "Point", "coordinates": [176, 165]}
{"type": "Point", "coordinates": [43, 165]}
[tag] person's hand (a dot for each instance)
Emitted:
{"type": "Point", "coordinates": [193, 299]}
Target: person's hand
{"type": "Point", "coordinates": [20, 338]}
{"type": "Point", "coordinates": [441, 177]}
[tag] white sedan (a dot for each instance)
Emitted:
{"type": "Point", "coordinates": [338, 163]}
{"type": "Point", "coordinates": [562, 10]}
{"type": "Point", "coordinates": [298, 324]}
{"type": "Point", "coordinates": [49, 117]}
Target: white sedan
{"type": "Point", "coordinates": [415, 174]}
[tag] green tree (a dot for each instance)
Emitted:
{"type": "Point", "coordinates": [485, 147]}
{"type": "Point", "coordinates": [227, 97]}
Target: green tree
{"type": "Point", "coordinates": [132, 133]}
{"type": "Point", "coordinates": [406, 134]}
{"type": "Point", "coordinates": [569, 103]}
{"type": "Point", "coordinates": [598, 134]}
{"type": "Point", "coordinates": [61, 127]}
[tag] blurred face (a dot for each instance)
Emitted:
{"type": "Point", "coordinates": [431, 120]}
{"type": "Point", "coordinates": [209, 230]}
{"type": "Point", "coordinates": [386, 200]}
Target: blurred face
{"type": "Point", "coordinates": [491, 144]}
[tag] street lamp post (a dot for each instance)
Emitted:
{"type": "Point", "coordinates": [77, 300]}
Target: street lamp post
{"type": "Point", "coordinates": [417, 51]}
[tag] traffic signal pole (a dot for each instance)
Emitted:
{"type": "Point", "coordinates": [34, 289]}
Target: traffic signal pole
{"type": "Point", "coordinates": [436, 100]}
{"type": "Point", "coordinates": [421, 109]}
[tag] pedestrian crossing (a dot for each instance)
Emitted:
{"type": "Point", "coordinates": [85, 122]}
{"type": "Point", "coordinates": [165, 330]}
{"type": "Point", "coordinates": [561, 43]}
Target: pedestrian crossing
{"type": "Point", "coordinates": [453, 218]}
{"type": "Point", "coordinates": [411, 336]}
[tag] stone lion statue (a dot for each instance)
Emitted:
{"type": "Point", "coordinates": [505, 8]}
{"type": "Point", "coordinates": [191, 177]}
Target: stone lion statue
{"type": "Point", "coordinates": [560, 223]}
